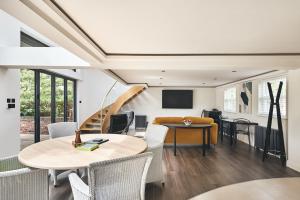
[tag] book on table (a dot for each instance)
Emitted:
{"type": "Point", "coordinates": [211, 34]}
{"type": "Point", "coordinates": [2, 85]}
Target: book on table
{"type": "Point", "coordinates": [91, 145]}
{"type": "Point", "coordinates": [87, 147]}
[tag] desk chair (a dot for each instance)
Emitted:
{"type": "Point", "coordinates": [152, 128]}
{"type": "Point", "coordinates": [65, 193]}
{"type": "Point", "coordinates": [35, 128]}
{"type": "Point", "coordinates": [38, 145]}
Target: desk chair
{"type": "Point", "coordinates": [242, 126]}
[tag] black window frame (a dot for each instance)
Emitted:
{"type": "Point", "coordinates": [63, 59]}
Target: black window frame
{"type": "Point", "coordinates": [30, 41]}
{"type": "Point", "coordinates": [37, 92]}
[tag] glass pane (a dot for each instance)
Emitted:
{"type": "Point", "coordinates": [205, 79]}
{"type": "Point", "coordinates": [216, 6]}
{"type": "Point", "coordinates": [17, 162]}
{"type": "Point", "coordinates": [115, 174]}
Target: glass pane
{"type": "Point", "coordinates": [45, 103]}
{"type": "Point", "coordinates": [27, 107]}
{"type": "Point", "coordinates": [70, 107]}
{"type": "Point", "coordinates": [59, 99]}
{"type": "Point", "coordinates": [264, 98]}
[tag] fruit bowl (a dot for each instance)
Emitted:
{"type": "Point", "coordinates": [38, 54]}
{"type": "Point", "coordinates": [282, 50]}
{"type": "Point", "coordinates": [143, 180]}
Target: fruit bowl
{"type": "Point", "coordinates": [187, 122]}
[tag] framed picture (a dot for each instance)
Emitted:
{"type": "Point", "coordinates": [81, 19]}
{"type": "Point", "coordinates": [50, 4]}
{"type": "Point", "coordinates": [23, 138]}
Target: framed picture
{"type": "Point", "coordinates": [245, 97]}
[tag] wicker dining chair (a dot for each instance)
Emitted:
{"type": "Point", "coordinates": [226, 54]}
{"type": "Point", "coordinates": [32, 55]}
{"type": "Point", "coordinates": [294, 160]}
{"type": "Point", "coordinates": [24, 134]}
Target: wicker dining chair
{"type": "Point", "coordinates": [20, 182]}
{"type": "Point", "coordinates": [122, 178]}
{"type": "Point", "coordinates": [56, 130]}
{"type": "Point", "coordinates": [155, 136]}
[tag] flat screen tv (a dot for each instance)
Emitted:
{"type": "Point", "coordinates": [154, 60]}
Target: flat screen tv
{"type": "Point", "coordinates": [177, 99]}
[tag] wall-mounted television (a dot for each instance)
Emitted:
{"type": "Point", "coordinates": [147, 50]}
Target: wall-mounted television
{"type": "Point", "coordinates": [177, 99]}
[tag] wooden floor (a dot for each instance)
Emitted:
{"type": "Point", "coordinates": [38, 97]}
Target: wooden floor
{"type": "Point", "coordinates": [189, 174]}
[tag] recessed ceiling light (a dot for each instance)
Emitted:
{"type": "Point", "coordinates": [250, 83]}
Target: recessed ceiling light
{"type": "Point", "coordinates": [203, 83]}
{"type": "Point", "coordinates": [233, 71]}
{"type": "Point", "coordinates": [163, 70]}
{"type": "Point", "coordinates": [161, 78]}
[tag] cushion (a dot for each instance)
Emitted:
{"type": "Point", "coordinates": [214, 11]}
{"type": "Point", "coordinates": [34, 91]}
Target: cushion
{"type": "Point", "coordinates": [160, 120]}
{"type": "Point", "coordinates": [200, 120]}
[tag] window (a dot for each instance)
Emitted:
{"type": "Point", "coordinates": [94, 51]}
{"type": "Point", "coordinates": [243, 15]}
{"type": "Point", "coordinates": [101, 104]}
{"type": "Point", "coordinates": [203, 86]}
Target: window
{"type": "Point", "coordinates": [59, 98]}
{"type": "Point", "coordinates": [264, 98]}
{"type": "Point", "coordinates": [28, 41]}
{"type": "Point", "coordinates": [230, 100]}
{"type": "Point", "coordinates": [44, 99]}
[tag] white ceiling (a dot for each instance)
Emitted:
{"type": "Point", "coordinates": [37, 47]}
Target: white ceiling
{"type": "Point", "coordinates": [189, 27]}
{"type": "Point", "coordinates": [208, 78]}
{"type": "Point", "coordinates": [198, 27]}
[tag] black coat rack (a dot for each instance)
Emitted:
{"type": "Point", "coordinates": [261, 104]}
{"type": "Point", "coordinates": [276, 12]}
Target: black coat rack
{"type": "Point", "coordinates": [279, 121]}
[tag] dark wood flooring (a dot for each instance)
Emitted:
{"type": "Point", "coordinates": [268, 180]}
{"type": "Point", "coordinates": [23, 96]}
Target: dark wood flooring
{"type": "Point", "coordinates": [189, 173]}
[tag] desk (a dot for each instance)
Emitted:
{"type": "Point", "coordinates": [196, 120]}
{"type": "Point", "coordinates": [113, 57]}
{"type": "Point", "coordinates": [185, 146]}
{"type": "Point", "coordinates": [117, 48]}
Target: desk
{"type": "Point", "coordinates": [204, 127]}
{"type": "Point", "coordinates": [232, 124]}
{"type": "Point", "coordinates": [59, 154]}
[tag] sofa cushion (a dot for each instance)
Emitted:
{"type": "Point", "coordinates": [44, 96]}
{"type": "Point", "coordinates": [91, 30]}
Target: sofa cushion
{"type": "Point", "coordinates": [161, 120]}
{"type": "Point", "coordinates": [199, 120]}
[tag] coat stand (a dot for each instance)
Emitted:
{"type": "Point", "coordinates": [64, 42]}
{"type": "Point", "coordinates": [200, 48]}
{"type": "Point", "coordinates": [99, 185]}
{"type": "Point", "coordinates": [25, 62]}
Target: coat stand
{"type": "Point", "coordinates": [279, 121]}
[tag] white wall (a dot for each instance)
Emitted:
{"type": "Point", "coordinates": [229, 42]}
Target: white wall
{"type": "Point", "coordinates": [9, 88]}
{"type": "Point", "coordinates": [92, 89]}
{"type": "Point", "coordinates": [294, 119]}
{"type": "Point", "coordinates": [254, 116]}
{"type": "Point", "coordinates": [92, 86]}
{"type": "Point", "coordinates": [149, 103]}
{"type": "Point", "coordinates": [9, 118]}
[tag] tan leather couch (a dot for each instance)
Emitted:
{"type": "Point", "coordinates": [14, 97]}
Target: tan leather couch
{"type": "Point", "coordinates": [186, 135]}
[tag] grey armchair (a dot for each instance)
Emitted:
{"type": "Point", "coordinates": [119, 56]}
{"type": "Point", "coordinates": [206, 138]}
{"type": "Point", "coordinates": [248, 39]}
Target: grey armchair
{"type": "Point", "coordinates": [19, 182]}
{"type": "Point", "coordinates": [122, 178]}
{"type": "Point", "coordinates": [57, 130]}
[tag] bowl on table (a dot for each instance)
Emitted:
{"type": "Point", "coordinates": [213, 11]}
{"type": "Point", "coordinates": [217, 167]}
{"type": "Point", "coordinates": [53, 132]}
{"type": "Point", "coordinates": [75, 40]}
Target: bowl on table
{"type": "Point", "coordinates": [187, 122]}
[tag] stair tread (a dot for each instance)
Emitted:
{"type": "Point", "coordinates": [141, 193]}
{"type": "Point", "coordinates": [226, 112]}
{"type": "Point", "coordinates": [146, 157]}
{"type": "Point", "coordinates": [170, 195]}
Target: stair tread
{"type": "Point", "coordinates": [89, 129]}
{"type": "Point", "coordinates": [94, 123]}
{"type": "Point", "coordinates": [96, 119]}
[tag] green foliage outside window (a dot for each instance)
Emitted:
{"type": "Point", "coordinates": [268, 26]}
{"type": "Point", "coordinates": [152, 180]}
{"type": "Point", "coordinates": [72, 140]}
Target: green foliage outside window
{"type": "Point", "coordinates": [27, 94]}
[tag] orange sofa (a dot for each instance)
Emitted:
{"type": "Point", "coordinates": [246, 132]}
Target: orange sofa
{"type": "Point", "coordinates": [186, 135]}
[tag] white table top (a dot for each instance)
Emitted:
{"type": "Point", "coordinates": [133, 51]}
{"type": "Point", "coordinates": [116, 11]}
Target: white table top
{"type": "Point", "coordinates": [60, 154]}
{"type": "Point", "coordinates": [263, 189]}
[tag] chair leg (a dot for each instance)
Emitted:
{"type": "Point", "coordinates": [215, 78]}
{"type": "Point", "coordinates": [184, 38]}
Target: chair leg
{"type": "Point", "coordinates": [249, 139]}
{"type": "Point", "coordinates": [235, 138]}
{"type": "Point", "coordinates": [55, 180]}
{"type": "Point", "coordinates": [54, 176]}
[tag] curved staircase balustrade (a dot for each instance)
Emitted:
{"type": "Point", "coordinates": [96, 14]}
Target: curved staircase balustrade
{"type": "Point", "coordinates": [99, 121]}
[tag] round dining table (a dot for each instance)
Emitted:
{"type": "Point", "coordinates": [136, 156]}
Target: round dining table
{"type": "Point", "coordinates": [60, 154]}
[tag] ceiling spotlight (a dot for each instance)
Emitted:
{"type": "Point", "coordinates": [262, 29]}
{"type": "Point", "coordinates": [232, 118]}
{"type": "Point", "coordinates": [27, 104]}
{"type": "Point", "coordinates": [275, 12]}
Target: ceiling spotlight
{"type": "Point", "coordinates": [163, 70]}
{"type": "Point", "coordinates": [233, 71]}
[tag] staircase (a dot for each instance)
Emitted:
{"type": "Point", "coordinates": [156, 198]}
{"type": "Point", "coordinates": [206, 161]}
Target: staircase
{"type": "Point", "coordinates": [98, 124]}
